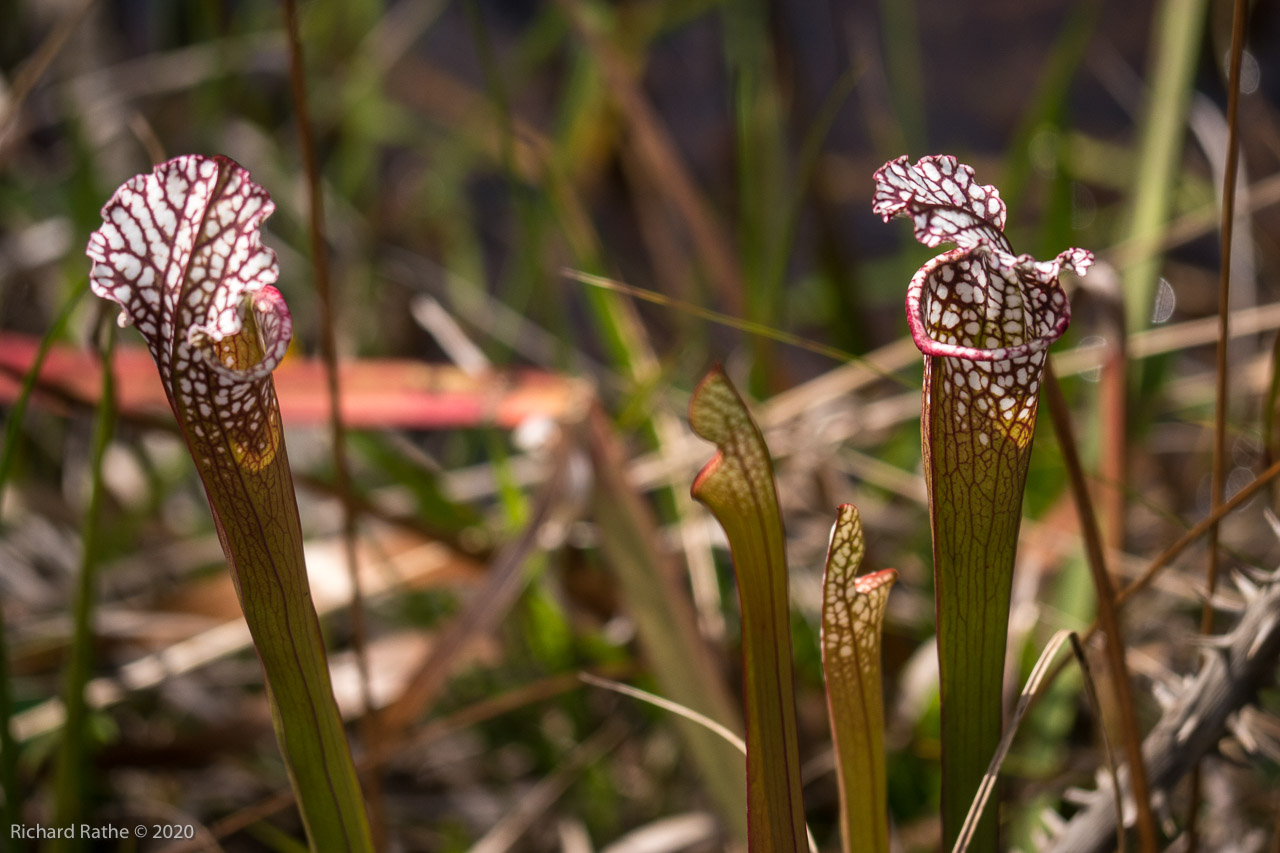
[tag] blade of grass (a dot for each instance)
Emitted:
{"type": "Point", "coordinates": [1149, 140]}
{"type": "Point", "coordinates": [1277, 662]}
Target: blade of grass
{"type": "Point", "coordinates": [693, 716]}
{"type": "Point", "coordinates": [760, 169]}
{"type": "Point", "coordinates": [750, 327]}
{"type": "Point", "coordinates": [71, 773]}
{"type": "Point", "coordinates": [723, 732]}
{"type": "Point", "coordinates": [1218, 484]}
{"type": "Point", "coordinates": [9, 789]}
{"type": "Point", "coordinates": [665, 624]}
{"type": "Point", "coordinates": [1029, 692]}
{"type": "Point", "coordinates": [1047, 109]}
{"type": "Point", "coordinates": [737, 486]}
{"type": "Point", "coordinates": [337, 428]}
{"type": "Point", "coordinates": [1108, 618]}
{"type": "Point", "coordinates": [775, 277]}
{"type": "Point", "coordinates": [526, 273]}
{"type": "Point", "coordinates": [903, 69]}
{"type": "Point", "coordinates": [658, 154]}
{"type": "Point", "coordinates": [1176, 33]}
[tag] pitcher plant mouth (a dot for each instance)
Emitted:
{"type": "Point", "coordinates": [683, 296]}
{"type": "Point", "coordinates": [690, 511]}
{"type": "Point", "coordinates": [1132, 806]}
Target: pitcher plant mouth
{"type": "Point", "coordinates": [979, 301]}
{"type": "Point", "coordinates": [180, 250]}
{"type": "Point", "coordinates": [952, 299]}
{"type": "Point", "coordinates": [987, 313]}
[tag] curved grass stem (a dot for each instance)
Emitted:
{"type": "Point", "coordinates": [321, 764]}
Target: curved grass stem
{"type": "Point", "coordinates": [1108, 619]}
{"type": "Point", "coordinates": [1217, 487]}
{"type": "Point", "coordinates": [10, 791]}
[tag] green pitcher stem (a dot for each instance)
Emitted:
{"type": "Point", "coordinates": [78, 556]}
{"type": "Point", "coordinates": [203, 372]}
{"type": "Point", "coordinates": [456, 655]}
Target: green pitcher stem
{"type": "Point", "coordinates": [271, 582]}
{"type": "Point", "coordinates": [975, 508]}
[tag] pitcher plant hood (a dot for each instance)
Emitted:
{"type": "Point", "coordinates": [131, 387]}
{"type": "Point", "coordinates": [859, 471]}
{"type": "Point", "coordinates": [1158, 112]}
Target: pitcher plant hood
{"type": "Point", "coordinates": [180, 250]}
{"type": "Point", "coordinates": [979, 302]}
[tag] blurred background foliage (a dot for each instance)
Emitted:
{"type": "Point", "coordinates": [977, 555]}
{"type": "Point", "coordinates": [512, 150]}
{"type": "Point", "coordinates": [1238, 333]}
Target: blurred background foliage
{"type": "Point", "coordinates": [719, 153]}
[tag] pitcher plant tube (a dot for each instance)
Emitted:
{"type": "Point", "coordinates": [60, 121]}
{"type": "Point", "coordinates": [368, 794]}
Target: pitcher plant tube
{"type": "Point", "coordinates": [984, 319]}
{"type": "Point", "coordinates": [853, 608]}
{"type": "Point", "coordinates": [180, 250]}
{"type": "Point", "coordinates": [737, 485]}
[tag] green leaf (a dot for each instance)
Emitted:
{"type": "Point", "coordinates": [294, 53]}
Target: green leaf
{"type": "Point", "coordinates": [10, 791]}
{"type": "Point", "coordinates": [69, 804]}
{"type": "Point", "coordinates": [665, 624]}
{"type": "Point", "coordinates": [852, 616]}
{"type": "Point", "coordinates": [737, 486]}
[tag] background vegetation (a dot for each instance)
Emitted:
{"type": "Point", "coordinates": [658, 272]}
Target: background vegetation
{"type": "Point", "coordinates": [720, 154]}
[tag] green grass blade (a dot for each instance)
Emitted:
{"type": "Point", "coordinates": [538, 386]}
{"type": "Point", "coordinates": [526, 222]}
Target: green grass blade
{"type": "Point", "coordinates": [665, 624]}
{"type": "Point", "coordinates": [852, 617]}
{"type": "Point", "coordinates": [904, 64]}
{"type": "Point", "coordinates": [737, 486]}
{"type": "Point", "coordinates": [69, 779]}
{"type": "Point", "coordinates": [762, 167]}
{"type": "Point", "coordinates": [1047, 110]}
{"type": "Point", "coordinates": [1176, 38]}
{"type": "Point", "coordinates": [9, 789]}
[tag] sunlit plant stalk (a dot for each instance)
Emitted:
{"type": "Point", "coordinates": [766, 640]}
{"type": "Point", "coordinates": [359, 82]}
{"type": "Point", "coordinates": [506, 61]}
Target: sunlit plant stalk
{"type": "Point", "coordinates": [852, 620]}
{"type": "Point", "coordinates": [69, 778]}
{"type": "Point", "coordinates": [10, 790]}
{"type": "Point", "coordinates": [180, 250]}
{"type": "Point", "coordinates": [984, 319]}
